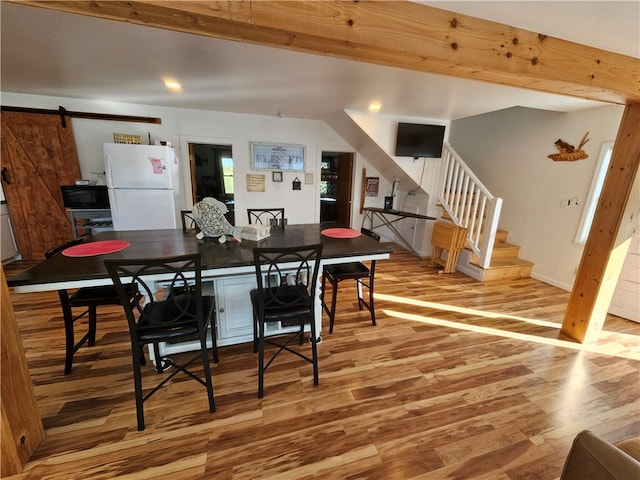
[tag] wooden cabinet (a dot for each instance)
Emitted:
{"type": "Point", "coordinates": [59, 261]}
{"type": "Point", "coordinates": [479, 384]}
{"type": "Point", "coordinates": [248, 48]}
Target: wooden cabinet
{"type": "Point", "coordinates": [234, 314]}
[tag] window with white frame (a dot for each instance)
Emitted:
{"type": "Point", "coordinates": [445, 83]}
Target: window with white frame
{"type": "Point", "coordinates": [594, 193]}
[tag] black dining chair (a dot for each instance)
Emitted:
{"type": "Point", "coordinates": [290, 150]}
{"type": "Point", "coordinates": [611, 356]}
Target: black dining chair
{"type": "Point", "coordinates": [363, 275]}
{"type": "Point", "coordinates": [173, 309]}
{"type": "Point", "coordinates": [263, 216]}
{"type": "Point", "coordinates": [188, 221]}
{"type": "Point", "coordinates": [286, 279]}
{"type": "Point", "coordinates": [88, 299]}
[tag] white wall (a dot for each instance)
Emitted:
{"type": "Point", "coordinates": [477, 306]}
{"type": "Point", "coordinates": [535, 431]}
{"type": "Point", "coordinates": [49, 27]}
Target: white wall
{"type": "Point", "coordinates": [508, 150]}
{"type": "Point", "coordinates": [422, 199]}
{"type": "Point", "coordinates": [182, 125]}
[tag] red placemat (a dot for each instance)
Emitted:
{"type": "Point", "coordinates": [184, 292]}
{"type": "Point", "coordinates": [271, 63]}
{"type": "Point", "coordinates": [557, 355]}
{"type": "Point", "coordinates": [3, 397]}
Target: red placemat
{"type": "Point", "coordinates": [340, 233]}
{"type": "Point", "coordinates": [95, 248]}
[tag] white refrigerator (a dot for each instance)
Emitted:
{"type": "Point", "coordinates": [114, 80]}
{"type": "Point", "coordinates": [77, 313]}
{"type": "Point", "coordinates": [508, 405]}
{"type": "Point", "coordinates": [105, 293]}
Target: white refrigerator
{"type": "Point", "coordinates": [144, 186]}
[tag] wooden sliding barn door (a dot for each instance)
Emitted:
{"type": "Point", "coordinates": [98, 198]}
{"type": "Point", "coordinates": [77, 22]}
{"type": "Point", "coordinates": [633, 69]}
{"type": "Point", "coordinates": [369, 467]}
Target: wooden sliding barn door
{"type": "Point", "coordinates": [38, 155]}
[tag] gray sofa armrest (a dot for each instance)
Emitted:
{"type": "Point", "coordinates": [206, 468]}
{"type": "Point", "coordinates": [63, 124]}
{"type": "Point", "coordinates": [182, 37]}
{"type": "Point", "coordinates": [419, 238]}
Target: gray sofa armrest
{"type": "Point", "coordinates": [592, 458]}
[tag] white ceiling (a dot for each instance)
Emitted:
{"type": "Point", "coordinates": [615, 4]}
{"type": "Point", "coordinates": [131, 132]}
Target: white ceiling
{"type": "Point", "coordinates": [51, 53]}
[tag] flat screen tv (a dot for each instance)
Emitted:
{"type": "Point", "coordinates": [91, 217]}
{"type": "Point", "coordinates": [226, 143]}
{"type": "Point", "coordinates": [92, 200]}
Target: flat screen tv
{"type": "Point", "coordinates": [417, 140]}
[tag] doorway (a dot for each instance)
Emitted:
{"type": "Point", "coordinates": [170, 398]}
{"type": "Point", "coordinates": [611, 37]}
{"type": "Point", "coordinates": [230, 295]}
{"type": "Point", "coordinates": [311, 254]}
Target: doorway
{"type": "Point", "coordinates": [336, 182]}
{"type": "Point", "coordinates": [212, 174]}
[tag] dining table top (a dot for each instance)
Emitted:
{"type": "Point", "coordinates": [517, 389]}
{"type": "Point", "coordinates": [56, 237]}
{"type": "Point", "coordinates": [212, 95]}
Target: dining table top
{"type": "Point", "coordinates": [61, 271]}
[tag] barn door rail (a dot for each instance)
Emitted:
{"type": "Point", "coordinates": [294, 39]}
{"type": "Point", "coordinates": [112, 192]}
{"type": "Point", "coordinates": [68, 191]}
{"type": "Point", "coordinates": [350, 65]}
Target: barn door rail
{"type": "Point", "coordinates": [62, 112]}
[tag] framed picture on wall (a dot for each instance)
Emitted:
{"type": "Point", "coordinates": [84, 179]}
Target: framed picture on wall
{"type": "Point", "coordinates": [276, 176]}
{"type": "Point", "coordinates": [372, 186]}
{"type": "Point", "coordinates": [277, 156]}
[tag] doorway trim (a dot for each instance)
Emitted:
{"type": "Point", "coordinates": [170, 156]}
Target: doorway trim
{"type": "Point", "coordinates": [340, 150]}
{"type": "Point", "coordinates": [186, 166]}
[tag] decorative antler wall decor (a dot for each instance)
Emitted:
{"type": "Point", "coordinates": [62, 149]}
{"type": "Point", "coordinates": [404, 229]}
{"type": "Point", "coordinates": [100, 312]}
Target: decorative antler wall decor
{"type": "Point", "coordinates": [568, 153]}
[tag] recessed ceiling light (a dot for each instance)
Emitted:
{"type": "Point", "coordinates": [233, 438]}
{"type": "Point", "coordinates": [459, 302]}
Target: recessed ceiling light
{"type": "Point", "coordinates": [375, 106]}
{"type": "Point", "coordinates": [172, 85]}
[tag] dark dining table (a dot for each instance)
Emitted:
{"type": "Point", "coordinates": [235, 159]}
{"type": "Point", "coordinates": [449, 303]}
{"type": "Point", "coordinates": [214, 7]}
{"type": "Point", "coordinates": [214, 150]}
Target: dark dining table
{"type": "Point", "coordinates": [231, 261]}
{"type": "Point", "coordinates": [218, 259]}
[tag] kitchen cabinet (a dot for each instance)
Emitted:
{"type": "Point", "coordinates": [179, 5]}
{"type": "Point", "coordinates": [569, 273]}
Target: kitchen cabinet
{"type": "Point", "coordinates": [233, 315]}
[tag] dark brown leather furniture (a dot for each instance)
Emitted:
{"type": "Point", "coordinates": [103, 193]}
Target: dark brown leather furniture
{"type": "Point", "coordinates": [593, 458]}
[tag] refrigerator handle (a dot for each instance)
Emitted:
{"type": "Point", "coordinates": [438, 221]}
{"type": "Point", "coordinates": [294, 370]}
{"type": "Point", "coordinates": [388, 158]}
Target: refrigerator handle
{"type": "Point", "coordinates": [107, 170]}
{"type": "Point", "coordinates": [115, 211]}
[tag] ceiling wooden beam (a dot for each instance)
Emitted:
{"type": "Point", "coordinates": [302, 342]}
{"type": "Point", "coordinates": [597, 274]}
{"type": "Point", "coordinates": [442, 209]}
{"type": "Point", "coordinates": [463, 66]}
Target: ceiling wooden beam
{"type": "Point", "coordinates": [398, 34]}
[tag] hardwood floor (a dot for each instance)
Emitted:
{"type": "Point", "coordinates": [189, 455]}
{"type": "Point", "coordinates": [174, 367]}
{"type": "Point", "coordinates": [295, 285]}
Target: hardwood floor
{"type": "Point", "coordinates": [459, 380]}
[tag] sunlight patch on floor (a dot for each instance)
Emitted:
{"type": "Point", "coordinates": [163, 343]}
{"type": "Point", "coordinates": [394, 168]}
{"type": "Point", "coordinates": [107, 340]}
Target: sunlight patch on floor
{"type": "Point", "coordinates": [466, 311]}
{"type": "Point", "coordinates": [432, 320]}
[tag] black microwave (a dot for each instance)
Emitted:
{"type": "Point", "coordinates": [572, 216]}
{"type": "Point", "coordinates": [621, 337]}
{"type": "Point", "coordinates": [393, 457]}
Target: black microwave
{"type": "Point", "coordinates": [85, 196]}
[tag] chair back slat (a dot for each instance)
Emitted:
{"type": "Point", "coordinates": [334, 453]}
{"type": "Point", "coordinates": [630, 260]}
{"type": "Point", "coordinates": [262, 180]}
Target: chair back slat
{"type": "Point", "coordinates": [178, 301]}
{"type": "Point", "coordinates": [370, 233]}
{"type": "Point", "coordinates": [287, 276]}
{"type": "Point", "coordinates": [263, 216]}
{"type": "Point", "coordinates": [188, 221]}
{"type": "Point", "coordinates": [60, 248]}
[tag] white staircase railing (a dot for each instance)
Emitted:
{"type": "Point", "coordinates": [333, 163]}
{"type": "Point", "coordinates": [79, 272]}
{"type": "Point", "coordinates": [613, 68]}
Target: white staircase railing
{"type": "Point", "coordinates": [469, 204]}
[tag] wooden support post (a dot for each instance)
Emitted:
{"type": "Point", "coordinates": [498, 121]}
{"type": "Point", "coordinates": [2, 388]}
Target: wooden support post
{"type": "Point", "coordinates": [609, 237]}
{"type": "Point", "coordinates": [21, 427]}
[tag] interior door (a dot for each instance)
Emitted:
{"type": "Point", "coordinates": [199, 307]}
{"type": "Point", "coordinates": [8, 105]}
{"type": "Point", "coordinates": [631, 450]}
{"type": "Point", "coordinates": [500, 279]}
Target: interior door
{"type": "Point", "coordinates": [212, 174]}
{"type": "Point", "coordinates": [626, 297]}
{"type": "Point", "coordinates": [38, 155]}
{"type": "Point", "coordinates": [345, 183]}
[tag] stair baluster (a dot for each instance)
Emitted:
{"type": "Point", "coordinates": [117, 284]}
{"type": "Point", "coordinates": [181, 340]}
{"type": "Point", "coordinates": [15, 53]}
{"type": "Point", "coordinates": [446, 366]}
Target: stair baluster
{"type": "Point", "coordinates": [470, 205]}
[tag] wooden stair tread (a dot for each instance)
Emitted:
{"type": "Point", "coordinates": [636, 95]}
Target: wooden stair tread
{"type": "Point", "coordinates": [513, 262]}
{"type": "Point", "coordinates": [504, 245]}
{"type": "Point", "coordinates": [501, 250]}
{"type": "Point", "coordinates": [505, 263]}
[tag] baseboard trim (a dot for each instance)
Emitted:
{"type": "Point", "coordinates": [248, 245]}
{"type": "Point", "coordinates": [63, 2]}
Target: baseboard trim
{"type": "Point", "coordinates": [553, 282]}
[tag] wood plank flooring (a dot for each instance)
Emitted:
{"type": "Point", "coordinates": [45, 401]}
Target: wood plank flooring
{"type": "Point", "coordinates": [459, 380]}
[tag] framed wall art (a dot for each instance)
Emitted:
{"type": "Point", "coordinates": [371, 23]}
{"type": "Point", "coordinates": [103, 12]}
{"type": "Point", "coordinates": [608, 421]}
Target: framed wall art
{"type": "Point", "coordinates": [276, 176]}
{"type": "Point", "coordinates": [255, 182]}
{"type": "Point", "coordinates": [277, 156]}
{"type": "Point", "coordinates": [372, 186]}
